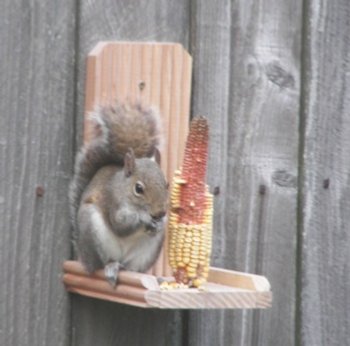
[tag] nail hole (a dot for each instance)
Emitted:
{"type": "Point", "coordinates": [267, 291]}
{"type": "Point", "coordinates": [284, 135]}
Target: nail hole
{"type": "Point", "coordinates": [39, 191]}
{"type": "Point", "coordinates": [326, 183]}
{"type": "Point", "coordinates": [262, 189]}
{"type": "Point", "coordinates": [216, 190]}
{"type": "Point", "coordinates": [142, 85]}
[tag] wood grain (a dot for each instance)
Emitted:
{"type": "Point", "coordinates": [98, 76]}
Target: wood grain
{"type": "Point", "coordinates": [225, 290]}
{"type": "Point", "coordinates": [36, 153]}
{"type": "Point", "coordinates": [213, 296]}
{"type": "Point", "coordinates": [325, 213]}
{"type": "Point", "coordinates": [246, 79]}
{"type": "Point", "coordinates": [144, 20]}
{"type": "Point", "coordinates": [210, 48]}
{"type": "Point", "coordinates": [119, 324]}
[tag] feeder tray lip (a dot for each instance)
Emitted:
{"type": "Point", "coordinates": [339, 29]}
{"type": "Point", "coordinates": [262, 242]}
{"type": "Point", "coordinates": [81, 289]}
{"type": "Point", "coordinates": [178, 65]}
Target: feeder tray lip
{"type": "Point", "coordinates": [225, 289]}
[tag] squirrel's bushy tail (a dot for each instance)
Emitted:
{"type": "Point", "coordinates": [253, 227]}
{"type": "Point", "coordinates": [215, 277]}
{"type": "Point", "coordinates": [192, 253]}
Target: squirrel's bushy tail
{"type": "Point", "coordinates": [115, 129]}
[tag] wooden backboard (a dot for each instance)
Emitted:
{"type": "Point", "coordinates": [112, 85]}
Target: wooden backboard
{"type": "Point", "coordinates": [156, 74]}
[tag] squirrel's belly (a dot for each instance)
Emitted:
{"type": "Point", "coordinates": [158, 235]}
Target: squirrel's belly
{"type": "Point", "coordinates": [140, 249]}
{"type": "Point", "coordinates": [107, 243]}
{"type": "Point", "coordinates": [135, 252]}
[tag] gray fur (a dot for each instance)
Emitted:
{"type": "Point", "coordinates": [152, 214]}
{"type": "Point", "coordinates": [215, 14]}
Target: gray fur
{"type": "Point", "coordinates": [112, 221]}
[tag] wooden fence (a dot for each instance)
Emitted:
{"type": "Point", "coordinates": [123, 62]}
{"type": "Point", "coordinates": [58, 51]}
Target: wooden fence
{"type": "Point", "coordinates": [273, 78]}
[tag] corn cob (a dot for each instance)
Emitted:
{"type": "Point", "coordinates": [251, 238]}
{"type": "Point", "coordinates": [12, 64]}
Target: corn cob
{"type": "Point", "coordinates": [191, 211]}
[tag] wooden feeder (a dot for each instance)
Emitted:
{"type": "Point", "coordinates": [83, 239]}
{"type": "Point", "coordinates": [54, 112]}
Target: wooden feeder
{"type": "Point", "coordinates": [157, 74]}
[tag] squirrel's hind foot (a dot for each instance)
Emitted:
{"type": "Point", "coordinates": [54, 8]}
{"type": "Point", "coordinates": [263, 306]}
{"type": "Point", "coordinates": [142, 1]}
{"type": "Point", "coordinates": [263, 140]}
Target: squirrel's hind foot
{"type": "Point", "coordinates": [111, 271]}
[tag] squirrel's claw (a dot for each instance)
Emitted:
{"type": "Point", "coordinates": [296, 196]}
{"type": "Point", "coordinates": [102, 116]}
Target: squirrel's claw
{"type": "Point", "coordinates": [111, 271]}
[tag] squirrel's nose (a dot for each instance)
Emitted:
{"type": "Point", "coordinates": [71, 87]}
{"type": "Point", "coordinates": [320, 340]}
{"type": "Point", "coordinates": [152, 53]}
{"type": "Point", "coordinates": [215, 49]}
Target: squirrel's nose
{"type": "Point", "coordinates": [158, 216]}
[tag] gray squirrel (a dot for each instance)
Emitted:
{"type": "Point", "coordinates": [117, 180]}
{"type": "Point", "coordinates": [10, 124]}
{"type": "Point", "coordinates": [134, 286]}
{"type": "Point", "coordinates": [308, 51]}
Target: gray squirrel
{"type": "Point", "coordinates": [118, 194]}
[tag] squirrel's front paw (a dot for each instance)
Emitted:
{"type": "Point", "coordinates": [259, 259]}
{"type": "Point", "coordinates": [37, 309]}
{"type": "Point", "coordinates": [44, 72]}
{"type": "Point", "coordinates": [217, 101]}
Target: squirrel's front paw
{"type": "Point", "coordinates": [111, 271]}
{"type": "Point", "coordinates": [153, 227]}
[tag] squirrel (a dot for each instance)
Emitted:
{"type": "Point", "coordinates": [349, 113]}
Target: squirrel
{"type": "Point", "coordinates": [118, 194]}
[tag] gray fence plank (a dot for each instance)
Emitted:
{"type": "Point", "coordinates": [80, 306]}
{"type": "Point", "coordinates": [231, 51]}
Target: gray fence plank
{"type": "Point", "coordinates": [210, 48]}
{"type": "Point", "coordinates": [97, 322]}
{"type": "Point", "coordinates": [246, 59]}
{"type": "Point", "coordinates": [36, 122]}
{"type": "Point", "coordinates": [325, 289]}
{"type": "Point", "coordinates": [105, 323]}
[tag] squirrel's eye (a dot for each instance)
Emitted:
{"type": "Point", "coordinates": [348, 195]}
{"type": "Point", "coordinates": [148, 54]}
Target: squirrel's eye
{"type": "Point", "coordinates": [139, 188]}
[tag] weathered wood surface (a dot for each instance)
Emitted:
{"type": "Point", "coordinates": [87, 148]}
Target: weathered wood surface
{"type": "Point", "coordinates": [246, 78]}
{"type": "Point", "coordinates": [247, 67]}
{"type": "Point", "coordinates": [325, 241]}
{"type": "Point", "coordinates": [136, 21]}
{"type": "Point", "coordinates": [119, 324]}
{"type": "Point", "coordinates": [36, 154]}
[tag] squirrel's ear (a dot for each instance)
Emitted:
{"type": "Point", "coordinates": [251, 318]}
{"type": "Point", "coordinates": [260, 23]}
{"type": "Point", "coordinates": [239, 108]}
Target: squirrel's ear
{"type": "Point", "coordinates": [129, 163]}
{"type": "Point", "coordinates": [157, 156]}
